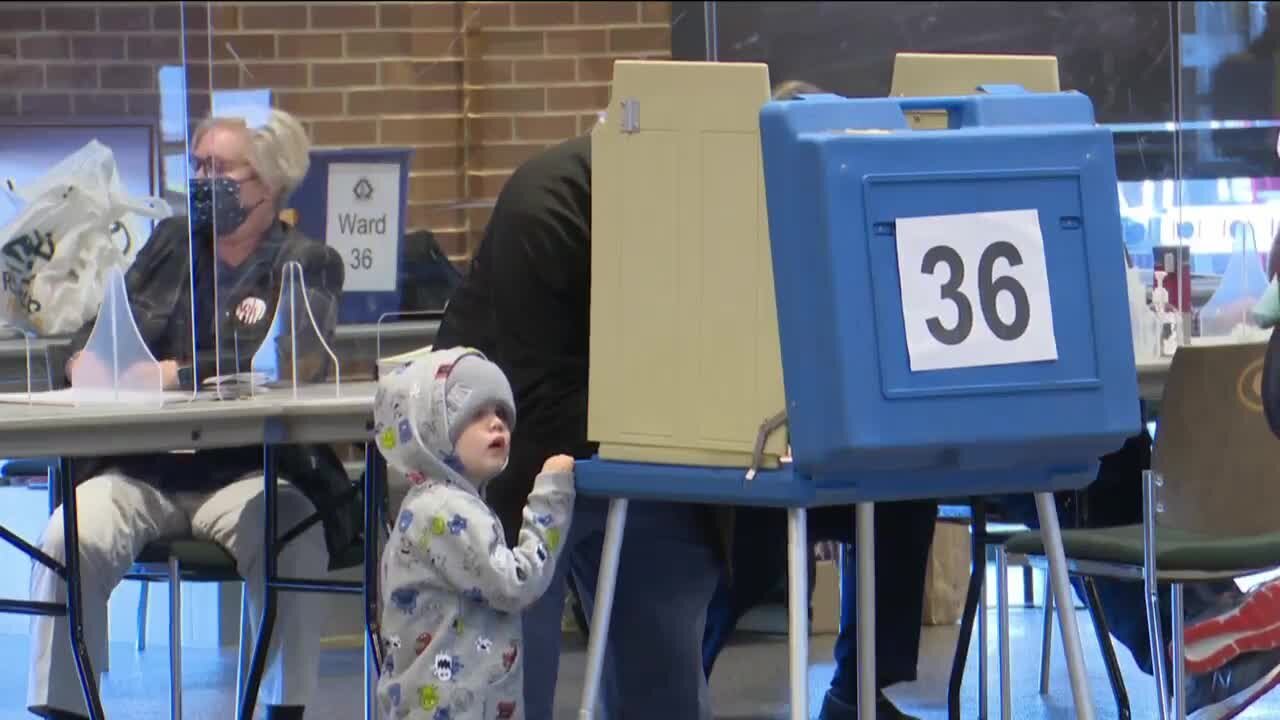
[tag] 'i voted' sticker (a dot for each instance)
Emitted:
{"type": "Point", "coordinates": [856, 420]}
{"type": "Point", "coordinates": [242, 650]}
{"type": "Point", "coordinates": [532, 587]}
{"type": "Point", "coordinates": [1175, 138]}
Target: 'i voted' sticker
{"type": "Point", "coordinates": [251, 311]}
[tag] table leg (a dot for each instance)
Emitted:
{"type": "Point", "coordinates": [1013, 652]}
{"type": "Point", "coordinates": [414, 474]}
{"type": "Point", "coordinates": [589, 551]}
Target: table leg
{"type": "Point", "coordinates": [75, 607]}
{"type": "Point", "coordinates": [257, 665]}
{"type": "Point", "coordinates": [1061, 585]}
{"type": "Point", "coordinates": [373, 487]}
{"type": "Point", "coordinates": [798, 611]}
{"type": "Point", "coordinates": [866, 611]}
{"type": "Point", "coordinates": [598, 639]}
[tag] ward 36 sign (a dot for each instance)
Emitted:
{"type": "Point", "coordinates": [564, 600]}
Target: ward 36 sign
{"type": "Point", "coordinates": [975, 290]}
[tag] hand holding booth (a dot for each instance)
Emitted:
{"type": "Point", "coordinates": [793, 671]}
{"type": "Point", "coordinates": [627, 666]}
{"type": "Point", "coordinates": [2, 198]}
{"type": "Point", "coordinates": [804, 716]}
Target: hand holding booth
{"type": "Point", "coordinates": [923, 279]}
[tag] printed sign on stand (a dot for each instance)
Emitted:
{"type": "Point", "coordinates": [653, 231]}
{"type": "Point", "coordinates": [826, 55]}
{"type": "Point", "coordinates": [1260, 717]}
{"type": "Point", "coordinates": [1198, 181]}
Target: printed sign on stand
{"type": "Point", "coordinates": [363, 223]}
{"type": "Point", "coordinates": [975, 290]}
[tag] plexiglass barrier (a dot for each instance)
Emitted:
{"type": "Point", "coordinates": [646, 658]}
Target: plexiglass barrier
{"type": "Point", "coordinates": [295, 352]}
{"type": "Point", "coordinates": [116, 366]}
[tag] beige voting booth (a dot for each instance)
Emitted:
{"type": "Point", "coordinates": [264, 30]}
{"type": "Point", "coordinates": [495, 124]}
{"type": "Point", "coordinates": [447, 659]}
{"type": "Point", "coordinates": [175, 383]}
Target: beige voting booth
{"type": "Point", "coordinates": [948, 74]}
{"type": "Point", "coordinates": [685, 360]}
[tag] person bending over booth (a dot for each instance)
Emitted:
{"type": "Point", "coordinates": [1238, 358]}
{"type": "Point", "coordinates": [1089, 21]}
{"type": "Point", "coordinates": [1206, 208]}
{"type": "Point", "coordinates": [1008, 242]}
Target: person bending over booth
{"type": "Point", "coordinates": [241, 180]}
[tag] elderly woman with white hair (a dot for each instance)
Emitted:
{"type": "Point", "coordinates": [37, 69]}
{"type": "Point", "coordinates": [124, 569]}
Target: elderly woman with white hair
{"type": "Point", "coordinates": [235, 246]}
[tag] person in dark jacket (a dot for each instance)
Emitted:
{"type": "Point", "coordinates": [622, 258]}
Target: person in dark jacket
{"type": "Point", "coordinates": [242, 177]}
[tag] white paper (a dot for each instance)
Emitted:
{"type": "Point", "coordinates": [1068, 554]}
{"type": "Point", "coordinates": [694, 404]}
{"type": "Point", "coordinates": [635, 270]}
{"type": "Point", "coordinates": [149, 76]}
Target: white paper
{"type": "Point", "coordinates": [959, 242]}
{"type": "Point", "coordinates": [363, 223]}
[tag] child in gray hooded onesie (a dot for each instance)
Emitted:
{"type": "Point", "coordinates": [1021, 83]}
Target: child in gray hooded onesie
{"type": "Point", "coordinates": [451, 589]}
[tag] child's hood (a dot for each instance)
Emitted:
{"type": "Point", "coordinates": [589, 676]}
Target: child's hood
{"type": "Point", "coordinates": [414, 417]}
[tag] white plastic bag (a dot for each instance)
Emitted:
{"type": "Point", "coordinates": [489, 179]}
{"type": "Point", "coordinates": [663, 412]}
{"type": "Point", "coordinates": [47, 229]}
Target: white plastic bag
{"type": "Point", "coordinates": [56, 251]}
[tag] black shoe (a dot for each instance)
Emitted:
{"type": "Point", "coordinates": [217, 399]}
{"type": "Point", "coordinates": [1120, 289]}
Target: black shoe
{"type": "Point", "coordinates": [1233, 687]}
{"type": "Point", "coordinates": [833, 708]}
{"type": "Point", "coordinates": [284, 712]}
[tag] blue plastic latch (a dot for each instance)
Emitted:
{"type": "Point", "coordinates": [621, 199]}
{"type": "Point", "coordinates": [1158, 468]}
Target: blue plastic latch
{"type": "Point", "coordinates": [1001, 89]}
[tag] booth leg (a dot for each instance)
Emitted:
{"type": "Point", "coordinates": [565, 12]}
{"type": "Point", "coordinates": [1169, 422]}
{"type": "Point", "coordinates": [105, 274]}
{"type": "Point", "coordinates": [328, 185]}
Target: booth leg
{"type": "Point", "coordinates": [866, 611]}
{"type": "Point", "coordinates": [605, 584]}
{"type": "Point", "coordinates": [1061, 585]}
{"type": "Point", "coordinates": [798, 610]}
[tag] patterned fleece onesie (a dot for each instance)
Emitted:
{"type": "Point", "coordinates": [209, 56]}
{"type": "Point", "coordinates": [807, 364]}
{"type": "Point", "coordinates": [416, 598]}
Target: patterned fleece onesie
{"type": "Point", "coordinates": [451, 589]}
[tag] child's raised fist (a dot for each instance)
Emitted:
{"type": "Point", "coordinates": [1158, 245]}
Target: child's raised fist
{"type": "Point", "coordinates": [558, 464]}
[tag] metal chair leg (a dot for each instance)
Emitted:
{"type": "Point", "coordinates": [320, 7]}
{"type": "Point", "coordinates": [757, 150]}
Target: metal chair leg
{"type": "Point", "coordinates": [142, 616]}
{"type": "Point", "coordinates": [246, 644]}
{"type": "Point", "coordinates": [175, 639]}
{"type": "Point", "coordinates": [982, 638]}
{"type": "Point", "coordinates": [1108, 649]}
{"type": "Point", "coordinates": [1046, 645]}
{"type": "Point", "coordinates": [606, 583]}
{"type": "Point", "coordinates": [978, 526]}
{"type": "Point", "coordinates": [866, 554]}
{"type": "Point", "coordinates": [1179, 655]}
{"type": "Point", "coordinates": [1002, 631]}
{"type": "Point", "coordinates": [75, 606]}
{"type": "Point", "coordinates": [1028, 587]}
{"type": "Point", "coordinates": [1154, 633]}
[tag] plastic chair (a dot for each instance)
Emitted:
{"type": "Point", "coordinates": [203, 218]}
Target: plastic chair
{"type": "Point", "coordinates": [1208, 502]}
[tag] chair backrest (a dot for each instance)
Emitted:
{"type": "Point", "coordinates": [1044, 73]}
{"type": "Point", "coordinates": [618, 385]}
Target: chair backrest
{"type": "Point", "coordinates": [1218, 458]}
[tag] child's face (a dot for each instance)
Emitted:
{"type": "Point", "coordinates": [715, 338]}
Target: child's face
{"type": "Point", "coordinates": [484, 445]}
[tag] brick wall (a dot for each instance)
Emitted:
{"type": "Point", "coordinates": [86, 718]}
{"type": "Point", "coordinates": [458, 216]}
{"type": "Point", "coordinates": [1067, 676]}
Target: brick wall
{"type": "Point", "coordinates": [474, 87]}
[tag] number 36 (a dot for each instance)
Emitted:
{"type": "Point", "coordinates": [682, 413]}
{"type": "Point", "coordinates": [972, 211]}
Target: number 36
{"type": "Point", "coordinates": [989, 289]}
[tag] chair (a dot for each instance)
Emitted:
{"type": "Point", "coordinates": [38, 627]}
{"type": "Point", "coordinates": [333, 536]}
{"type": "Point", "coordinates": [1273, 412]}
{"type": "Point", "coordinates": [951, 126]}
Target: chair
{"type": "Point", "coordinates": [1209, 502]}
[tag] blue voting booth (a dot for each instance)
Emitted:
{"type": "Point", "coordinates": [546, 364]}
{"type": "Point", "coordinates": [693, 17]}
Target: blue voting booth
{"type": "Point", "coordinates": [951, 311]}
{"type": "Point", "coordinates": [355, 200]}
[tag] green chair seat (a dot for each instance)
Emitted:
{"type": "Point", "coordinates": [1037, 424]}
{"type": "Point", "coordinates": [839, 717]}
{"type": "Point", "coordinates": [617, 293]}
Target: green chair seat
{"type": "Point", "coordinates": [1176, 550]}
{"type": "Point", "coordinates": [205, 561]}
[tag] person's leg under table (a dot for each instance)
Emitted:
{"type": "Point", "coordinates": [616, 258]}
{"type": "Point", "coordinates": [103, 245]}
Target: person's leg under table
{"type": "Point", "coordinates": [233, 517]}
{"type": "Point", "coordinates": [668, 571]}
{"type": "Point", "coordinates": [121, 515]}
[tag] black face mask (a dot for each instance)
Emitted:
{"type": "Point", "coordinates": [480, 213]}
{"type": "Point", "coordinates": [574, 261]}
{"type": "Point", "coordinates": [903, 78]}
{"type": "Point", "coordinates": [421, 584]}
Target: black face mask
{"type": "Point", "coordinates": [215, 205]}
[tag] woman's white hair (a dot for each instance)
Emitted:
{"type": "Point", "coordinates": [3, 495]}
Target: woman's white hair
{"type": "Point", "coordinates": [279, 149]}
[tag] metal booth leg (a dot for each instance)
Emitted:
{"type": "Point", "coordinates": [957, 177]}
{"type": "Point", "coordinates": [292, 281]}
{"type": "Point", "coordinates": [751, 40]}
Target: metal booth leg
{"type": "Point", "coordinates": [1061, 585]}
{"type": "Point", "coordinates": [75, 607]}
{"type": "Point", "coordinates": [1002, 631]}
{"type": "Point", "coordinates": [798, 611]}
{"type": "Point", "coordinates": [598, 639]}
{"type": "Point", "coordinates": [1103, 632]}
{"type": "Point", "coordinates": [977, 533]}
{"type": "Point", "coordinates": [374, 478]}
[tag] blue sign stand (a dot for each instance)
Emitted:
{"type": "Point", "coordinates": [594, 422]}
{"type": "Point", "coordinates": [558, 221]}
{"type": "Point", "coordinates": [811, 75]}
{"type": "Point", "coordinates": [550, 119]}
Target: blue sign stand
{"type": "Point", "coordinates": [311, 200]}
{"type": "Point", "coordinates": [895, 392]}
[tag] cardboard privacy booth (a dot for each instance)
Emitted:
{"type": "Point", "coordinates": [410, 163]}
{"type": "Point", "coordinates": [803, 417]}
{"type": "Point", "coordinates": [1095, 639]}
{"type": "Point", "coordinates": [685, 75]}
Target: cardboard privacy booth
{"type": "Point", "coordinates": [684, 339]}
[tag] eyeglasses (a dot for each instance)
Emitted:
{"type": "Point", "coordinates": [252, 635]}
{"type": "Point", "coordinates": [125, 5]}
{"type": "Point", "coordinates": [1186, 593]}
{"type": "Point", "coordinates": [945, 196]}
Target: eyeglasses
{"type": "Point", "coordinates": [216, 167]}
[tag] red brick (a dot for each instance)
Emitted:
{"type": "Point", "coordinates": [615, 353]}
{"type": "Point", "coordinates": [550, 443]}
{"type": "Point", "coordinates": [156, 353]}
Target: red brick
{"type": "Point", "coordinates": [100, 104]}
{"type": "Point", "coordinates": [45, 47]}
{"type": "Point", "coordinates": [422, 131]}
{"type": "Point", "coordinates": [549, 70]}
{"type": "Point", "coordinates": [655, 12]}
{"type": "Point", "coordinates": [8, 103]}
{"type": "Point", "coordinates": [274, 75]}
{"type": "Point", "coordinates": [70, 77]}
{"type": "Point", "coordinates": [486, 185]}
{"type": "Point", "coordinates": [8, 48]}
{"type": "Point", "coordinates": [312, 103]}
{"type": "Point", "coordinates": [640, 39]}
{"type": "Point", "coordinates": [597, 70]}
{"type": "Point", "coordinates": [154, 47]}
{"type": "Point", "coordinates": [453, 243]}
{"type": "Point", "coordinates": [607, 13]}
{"type": "Point", "coordinates": [21, 20]}
{"type": "Point", "coordinates": [491, 156]}
{"type": "Point", "coordinates": [70, 19]}
{"type": "Point", "coordinates": [343, 16]}
{"type": "Point", "coordinates": [486, 15]}
{"type": "Point", "coordinates": [509, 42]}
{"type": "Point", "coordinates": [344, 132]}
{"type": "Point", "coordinates": [124, 18]}
{"type": "Point", "coordinates": [440, 15]}
{"type": "Point", "coordinates": [166, 16]}
{"type": "Point", "coordinates": [576, 42]}
{"type": "Point", "coordinates": [379, 44]}
{"type": "Point", "coordinates": [46, 104]}
{"type": "Point", "coordinates": [490, 72]}
{"type": "Point", "coordinates": [311, 46]}
{"type": "Point", "coordinates": [261, 16]}
{"type": "Point", "coordinates": [436, 188]}
{"type": "Point", "coordinates": [418, 74]}
{"type": "Point", "coordinates": [225, 76]}
{"type": "Point", "coordinates": [344, 74]}
{"type": "Point", "coordinates": [22, 77]}
{"type": "Point", "coordinates": [402, 102]}
{"type": "Point", "coordinates": [97, 47]}
{"type": "Point", "coordinates": [225, 17]}
{"type": "Point", "coordinates": [542, 14]}
{"type": "Point", "coordinates": [582, 97]}
{"type": "Point", "coordinates": [440, 157]}
{"type": "Point", "coordinates": [246, 47]}
{"type": "Point", "coordinates": [508, 100]}
{"type": "Point", "coordinates": [128, 77]}
{"type": "Point", "coordinates": [148, 105]}
{"type": "Point", "coordinates": [546, 127]}
{"type": "Point", "coordinates": [587, 121]}
{"type": "Point", "coordinates": [489, 129]}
